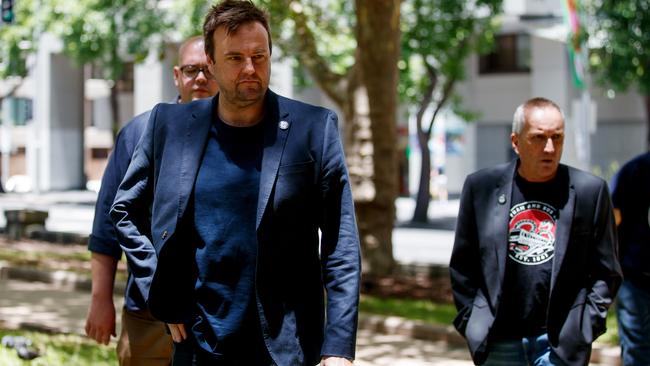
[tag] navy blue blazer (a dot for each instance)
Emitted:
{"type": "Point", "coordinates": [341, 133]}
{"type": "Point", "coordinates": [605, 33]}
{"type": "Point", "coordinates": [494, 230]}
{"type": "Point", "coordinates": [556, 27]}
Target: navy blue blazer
{"type": "Point", "coordinates": [586, 273]}
{"type": "Point", "coordinates": [304, 187]}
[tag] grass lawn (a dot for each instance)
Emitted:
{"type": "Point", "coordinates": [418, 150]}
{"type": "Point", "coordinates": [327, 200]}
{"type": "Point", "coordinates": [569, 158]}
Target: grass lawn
{"type": "Point", "coordinates": [51, 257]}
{"type": "Point", "coordinates": [444, 314]}
{"type": "Point", "coordinates": [60, 349]}
{"type": "Point", "coordinates": [411, 309]}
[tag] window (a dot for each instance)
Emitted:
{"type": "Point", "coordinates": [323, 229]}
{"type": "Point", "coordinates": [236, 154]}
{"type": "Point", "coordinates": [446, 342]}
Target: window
{"type": "Point", "coordinates": [20, 110]}
{"type": "Point", "coordinates": [511, 54]}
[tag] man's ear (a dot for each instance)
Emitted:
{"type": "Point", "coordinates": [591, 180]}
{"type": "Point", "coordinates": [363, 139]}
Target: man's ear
{"type": "Point", "coordinates": [211, 65]}
{"type": "Point", "coordinates": [514, 140]}
{"type": "Point", "coordinates": [177, 76]}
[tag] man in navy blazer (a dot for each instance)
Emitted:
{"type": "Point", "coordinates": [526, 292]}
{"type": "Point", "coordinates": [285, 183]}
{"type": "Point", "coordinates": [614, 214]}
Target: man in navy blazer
{"type": "Point", "coordinates": [534, 266]}
{"type": "Point", "coordinates": [238, 187]}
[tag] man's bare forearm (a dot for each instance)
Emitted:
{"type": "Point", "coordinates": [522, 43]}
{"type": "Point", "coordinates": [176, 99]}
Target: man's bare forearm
{"type": "Point", "coordinates": [103, 268]}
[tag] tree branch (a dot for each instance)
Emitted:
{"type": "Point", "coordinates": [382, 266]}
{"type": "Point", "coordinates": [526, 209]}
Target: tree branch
{"type": "Point", "coordinates": [427, 98]}
{"type": "Point", "coordinates": [446, 94]}
{"type": "Point", "coordinates": [450, 81]}
{"type": "Point", "coordinates": [334, 85]}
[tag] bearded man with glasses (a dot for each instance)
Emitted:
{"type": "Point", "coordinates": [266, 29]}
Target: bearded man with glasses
{"type": "Point", "coordinates": [143, 339]}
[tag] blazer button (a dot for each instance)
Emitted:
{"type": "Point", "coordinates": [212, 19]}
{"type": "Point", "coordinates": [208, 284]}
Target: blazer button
{"type": "Point", "coordinates": [164, 235]}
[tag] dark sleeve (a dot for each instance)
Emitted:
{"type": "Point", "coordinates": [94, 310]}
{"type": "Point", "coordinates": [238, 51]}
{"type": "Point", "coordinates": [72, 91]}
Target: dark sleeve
{"type": "Point", "coordinates": [103, 238]}
{"type": "Point", "coordinates": [130, 211]}
{"type": "Point", "coordinates": [605, 270]}
{"type": "Point", "coordinates": [465, 266]}
{"type": "Point", "coordinates": [620, 186]}
{"type": "Point", "coordinates": [340, 248]}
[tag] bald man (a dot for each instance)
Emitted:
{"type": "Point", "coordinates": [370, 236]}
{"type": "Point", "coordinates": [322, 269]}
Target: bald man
{"type": "Point", "coordinates": [143, 339]}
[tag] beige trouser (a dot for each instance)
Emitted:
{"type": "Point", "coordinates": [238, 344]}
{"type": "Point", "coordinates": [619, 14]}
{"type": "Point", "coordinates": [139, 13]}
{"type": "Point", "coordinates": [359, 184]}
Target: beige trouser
{"type": "Point", "coordinates": [143, 341]}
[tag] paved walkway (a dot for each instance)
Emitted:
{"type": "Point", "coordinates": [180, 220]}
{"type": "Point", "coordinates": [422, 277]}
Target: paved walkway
{"type": "Point", "coordinates": [38, 305]}
{"type": "Point", "coordinates": [60, 307]}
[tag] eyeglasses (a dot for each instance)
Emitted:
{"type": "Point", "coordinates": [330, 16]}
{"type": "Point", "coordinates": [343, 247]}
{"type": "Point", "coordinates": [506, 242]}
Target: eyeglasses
{"type": "Point", "coordinates": [192, 71]}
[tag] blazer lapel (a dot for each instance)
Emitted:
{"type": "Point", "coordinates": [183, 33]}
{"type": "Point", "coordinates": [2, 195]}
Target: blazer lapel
{"type": "Point", "coordinates": [196, 134]}
{"type": "Point", "coordinates": [563, 228]}
{"type": "Point", "coordinates": [500, 201]}
{"type": "Point", "coordinates": [276, 131]}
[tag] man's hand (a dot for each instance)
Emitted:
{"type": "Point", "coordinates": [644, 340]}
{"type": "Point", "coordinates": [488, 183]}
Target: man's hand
{"type": "Point", "coordinates": [617, 216]}
{"type": "Point", "coordinates": [178, 332]}
{"type": "Point", "coordinates": [334, 361]}
{"type": "Point", "coordinates": [100, 323]}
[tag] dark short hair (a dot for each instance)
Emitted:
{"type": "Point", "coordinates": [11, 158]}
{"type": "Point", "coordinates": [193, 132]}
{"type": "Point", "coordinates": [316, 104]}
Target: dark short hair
{"type": "Point", "coordinates": [231, 14]}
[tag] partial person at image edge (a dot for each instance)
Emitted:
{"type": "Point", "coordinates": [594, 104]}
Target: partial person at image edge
{"type": "Point", "coordinates": [631, 198]}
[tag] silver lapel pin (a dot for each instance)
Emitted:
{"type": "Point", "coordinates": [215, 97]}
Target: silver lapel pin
{"type": "Point", "coordinates": [502, 199]}
{"type": "Point", "coordinates": [284, 125]}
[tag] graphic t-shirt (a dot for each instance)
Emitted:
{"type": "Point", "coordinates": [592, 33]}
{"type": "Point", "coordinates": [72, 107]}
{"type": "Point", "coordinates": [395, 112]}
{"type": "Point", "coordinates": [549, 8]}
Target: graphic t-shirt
{"type": "Point", "coordinates": [529, 264]}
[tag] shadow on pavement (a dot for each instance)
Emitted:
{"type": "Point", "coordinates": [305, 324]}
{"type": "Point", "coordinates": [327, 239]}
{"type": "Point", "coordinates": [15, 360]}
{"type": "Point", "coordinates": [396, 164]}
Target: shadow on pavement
{"type": "Point", "coordinates": [442, 223]}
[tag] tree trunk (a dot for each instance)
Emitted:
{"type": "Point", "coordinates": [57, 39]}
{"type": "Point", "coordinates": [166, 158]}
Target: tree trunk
{"type": "Point", "coordinates": [367, 95]}
{"type": "Point", "coordinates": [647, 117]}
{"type": "Point", "coordinates": [372, 138]}
{"type": "Point", "coordinates": [421, 212]}
{"type": "Point", "coordinates": [420, 215]}
{"type": "Point", "coordinates": [115, 111]}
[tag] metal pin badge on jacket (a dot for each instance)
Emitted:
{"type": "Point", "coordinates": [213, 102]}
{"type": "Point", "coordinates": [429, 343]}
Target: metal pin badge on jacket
{"type": "Point", "coordinates": [284, 125]}
{"type": "Point", "coordinates": [502, 199]}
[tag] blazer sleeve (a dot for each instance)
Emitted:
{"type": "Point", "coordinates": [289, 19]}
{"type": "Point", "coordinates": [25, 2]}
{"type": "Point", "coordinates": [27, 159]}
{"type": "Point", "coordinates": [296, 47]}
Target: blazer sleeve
{"type": "Point", "coordinates": [605, 270]}
{"type": "Point", "coordinates": [103, 238]}
{"type": "Point", "coordinates": [130, 211]}
{"type": "Point", "coordinates": [464, 265]}
{"type": "Point", "coordinates": [340, 248]}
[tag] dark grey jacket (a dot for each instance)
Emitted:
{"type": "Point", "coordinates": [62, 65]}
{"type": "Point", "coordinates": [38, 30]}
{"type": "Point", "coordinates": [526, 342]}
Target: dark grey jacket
{"type": "Point", "coordinates": [586, 273]}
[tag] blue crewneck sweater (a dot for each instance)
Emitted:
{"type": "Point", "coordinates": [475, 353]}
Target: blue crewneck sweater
{"type": "Point", "coordinates": [225, 205]}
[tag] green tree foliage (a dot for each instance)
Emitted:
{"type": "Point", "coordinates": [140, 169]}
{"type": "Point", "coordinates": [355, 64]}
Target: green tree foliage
{"type": "Point", "coordinates": [620, 32]}
{"type": "Point", "coordinates": [319, 37]}
{"type": "Point", "coordinates": [188, 16]}
{"type": "Point", "coordinates": [437, 37]}
{"type": "Point", "coordinates": [106, 33]}
{"type": "Point", "coordinates": [16, 40]}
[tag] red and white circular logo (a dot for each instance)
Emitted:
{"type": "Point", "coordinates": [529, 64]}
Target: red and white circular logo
{"type": "Point", "coordinates": [532, 233]}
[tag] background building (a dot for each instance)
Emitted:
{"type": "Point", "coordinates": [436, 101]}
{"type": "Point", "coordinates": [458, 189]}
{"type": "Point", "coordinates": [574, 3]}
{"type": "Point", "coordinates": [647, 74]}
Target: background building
{"type": "Point", "coordinates": [56, 132]}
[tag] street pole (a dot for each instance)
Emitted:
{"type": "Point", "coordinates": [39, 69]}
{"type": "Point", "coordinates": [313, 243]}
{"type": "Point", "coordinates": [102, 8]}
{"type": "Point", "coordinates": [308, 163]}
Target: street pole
{"type": "Point", "coordinates": [585, 116]}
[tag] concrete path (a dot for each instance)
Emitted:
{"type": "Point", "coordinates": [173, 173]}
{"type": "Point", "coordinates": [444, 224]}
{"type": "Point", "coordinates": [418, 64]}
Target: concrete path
{"type": "Point", "coordinates": [37, 305]}
{"type": "Point", "coordinates": [60, 307]}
